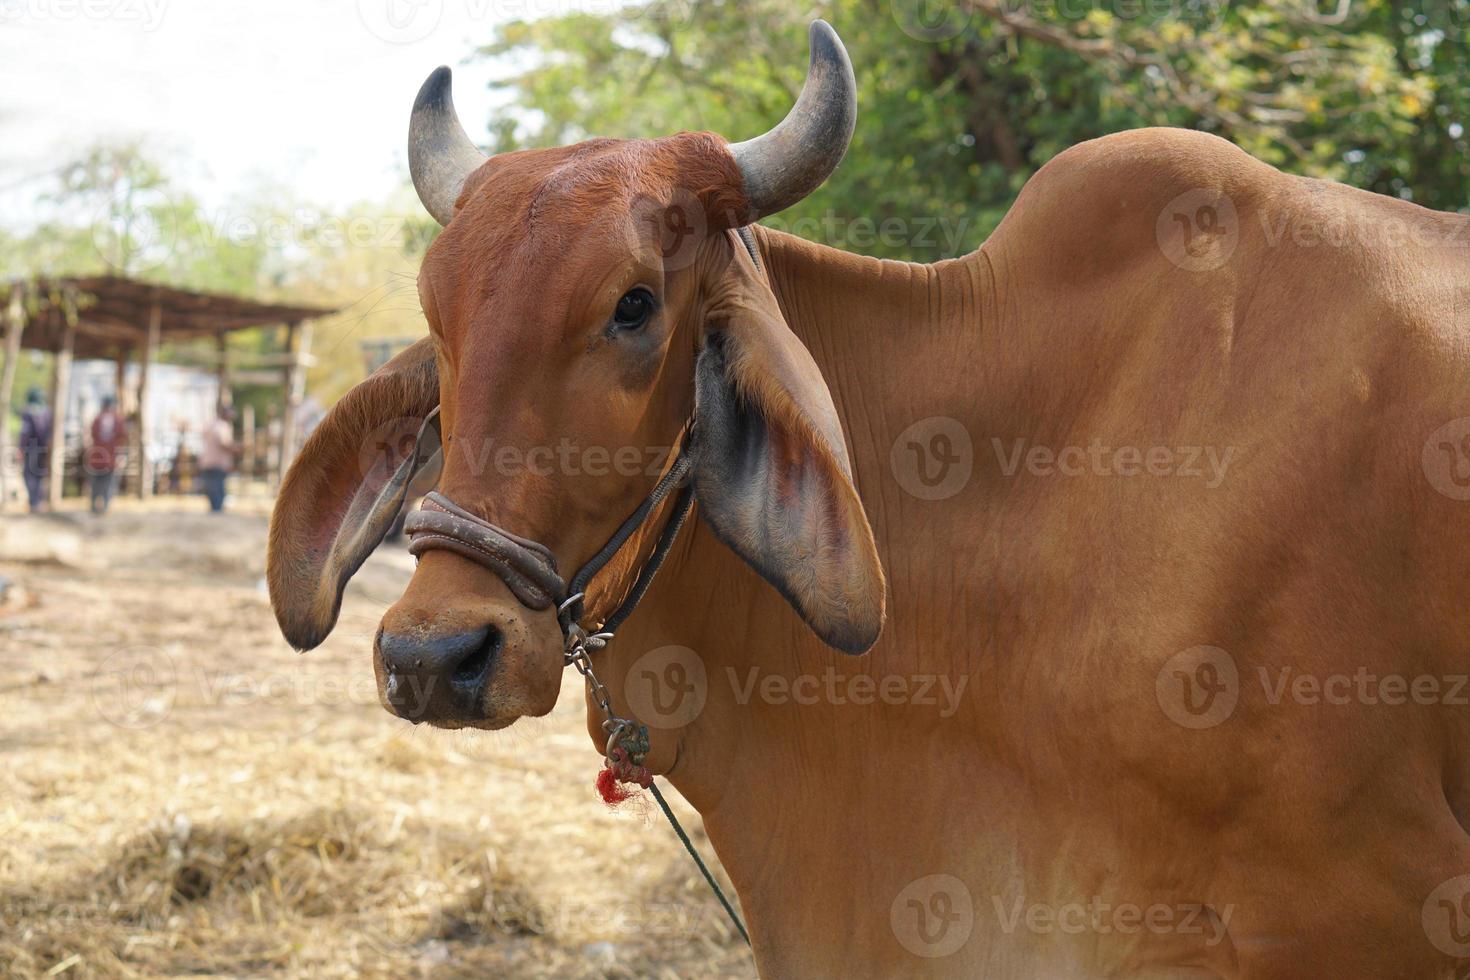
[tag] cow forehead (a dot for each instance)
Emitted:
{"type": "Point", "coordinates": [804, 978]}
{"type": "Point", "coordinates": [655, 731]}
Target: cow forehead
{"type": "Point", "coordinates": [557, 218]}
{"type": "Point", "coordinates": [533, 208]}
{"type": "Point", "coordinates": [534, 189]}
{"type": "Point", "coordinates": [560, 189]}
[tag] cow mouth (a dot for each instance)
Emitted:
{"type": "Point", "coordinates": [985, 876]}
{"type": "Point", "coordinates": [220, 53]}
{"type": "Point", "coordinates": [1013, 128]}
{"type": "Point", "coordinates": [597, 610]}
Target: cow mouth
{"type": "Point", "coordinates": [482, 725]}
{"type": "Point", "coordinates": [458, 715]}
{"type": "Point", "coordinates": [481, 679]}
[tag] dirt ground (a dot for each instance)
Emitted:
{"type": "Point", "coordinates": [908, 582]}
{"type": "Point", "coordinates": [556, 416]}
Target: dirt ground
{"type": "Point", "coordinates": [181, 793]}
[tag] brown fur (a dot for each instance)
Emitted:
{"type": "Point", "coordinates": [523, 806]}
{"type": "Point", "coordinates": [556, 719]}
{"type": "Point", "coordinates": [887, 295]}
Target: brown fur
{"type": "Point", "coordinates": [1304, 839]}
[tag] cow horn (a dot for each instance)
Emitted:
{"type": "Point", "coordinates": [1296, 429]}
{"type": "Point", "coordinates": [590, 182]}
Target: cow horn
{"type": "Point", "coordinates": [440, 154]}
{"type": "Point", "coordinates": [789, 162]}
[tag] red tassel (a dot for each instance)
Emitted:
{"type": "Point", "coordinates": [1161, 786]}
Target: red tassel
{"type": "Point", "coordinates": [612, 791]}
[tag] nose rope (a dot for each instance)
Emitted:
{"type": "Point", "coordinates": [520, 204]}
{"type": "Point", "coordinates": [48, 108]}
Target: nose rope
{"type": "Point", "coordinates": [525, 566]}
{"type": "Point", "coordinates": [529, 571]}
{"type": "Point", "coordinates": [529, 568]}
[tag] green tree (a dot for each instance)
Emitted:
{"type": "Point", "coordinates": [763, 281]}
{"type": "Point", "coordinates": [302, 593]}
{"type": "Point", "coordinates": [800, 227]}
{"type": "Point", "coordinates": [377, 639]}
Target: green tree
{"type": "Point", "coordinates": [960, 102]}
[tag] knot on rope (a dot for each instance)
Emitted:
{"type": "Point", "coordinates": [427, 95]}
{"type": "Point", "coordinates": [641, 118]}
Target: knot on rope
{"type": "Point", "coordinates": [618, 772]}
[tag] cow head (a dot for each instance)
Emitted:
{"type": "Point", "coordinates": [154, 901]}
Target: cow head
{"type": "Point", "coordinates": [584, 303]}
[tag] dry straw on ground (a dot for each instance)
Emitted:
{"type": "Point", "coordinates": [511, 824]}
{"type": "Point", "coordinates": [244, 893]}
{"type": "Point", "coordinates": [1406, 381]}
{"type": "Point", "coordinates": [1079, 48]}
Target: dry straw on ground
{"type": "Point", "coordinates": [182, 794]}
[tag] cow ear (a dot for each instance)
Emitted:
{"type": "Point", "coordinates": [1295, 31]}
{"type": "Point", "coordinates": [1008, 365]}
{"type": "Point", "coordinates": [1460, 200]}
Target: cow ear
{"type": "Point", "coordinates": [771, 472]}
{"type": "Point", "coordinates": [345, 488]}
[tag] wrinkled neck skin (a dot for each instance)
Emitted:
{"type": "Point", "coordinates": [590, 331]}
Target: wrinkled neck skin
{"type": "Point", "coordinates": [788, 775]}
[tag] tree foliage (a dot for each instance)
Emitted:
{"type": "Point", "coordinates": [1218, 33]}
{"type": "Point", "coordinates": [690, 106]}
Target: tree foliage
{"type": "Point", "coordinates": [960, 102]}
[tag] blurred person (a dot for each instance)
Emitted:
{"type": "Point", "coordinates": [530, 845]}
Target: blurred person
{"type": "Point", "coordinates": [109, 437]}
{"type": "Point", "coordinates": [218, 457]}
{"type": "Point", "coordinates": [35, 447]}
{"type": "Point", "coordinates": [178, 469]}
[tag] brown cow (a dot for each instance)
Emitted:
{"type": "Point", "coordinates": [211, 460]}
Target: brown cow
{"type": "Point", "coordinates": [1169, 480]}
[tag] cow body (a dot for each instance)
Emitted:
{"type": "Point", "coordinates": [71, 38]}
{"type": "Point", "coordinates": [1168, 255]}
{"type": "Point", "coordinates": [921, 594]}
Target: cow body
{"type": "Point", "coordinates": [1279, 382]}
{"type": "Point", "coordinates": [1149, 516]}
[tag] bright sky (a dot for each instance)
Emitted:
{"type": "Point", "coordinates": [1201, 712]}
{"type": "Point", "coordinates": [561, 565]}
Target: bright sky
{"type": "Point", "coordinates": [314, 94]}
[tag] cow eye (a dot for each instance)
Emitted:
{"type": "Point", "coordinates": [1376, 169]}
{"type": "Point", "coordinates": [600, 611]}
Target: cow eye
{"type": "Point", "coordinates": [634, 309]}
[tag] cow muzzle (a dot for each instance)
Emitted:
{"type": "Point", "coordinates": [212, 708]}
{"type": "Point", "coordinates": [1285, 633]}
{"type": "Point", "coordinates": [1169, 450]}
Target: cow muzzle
{"type": "Point", "coordinates": [459, 650]}
{"type": "Point", "coordinates": [483, 666]}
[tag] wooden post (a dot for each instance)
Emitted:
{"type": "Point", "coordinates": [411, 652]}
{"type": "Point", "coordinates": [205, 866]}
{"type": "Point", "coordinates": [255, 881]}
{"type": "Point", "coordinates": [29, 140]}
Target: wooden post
{"type": "Point", "coordinates": [120, 381]}
{"type": "Point", "coordinates": [298, 343]}
{"type": "Point", "coordinates": [14, 324]}
{"type": "Point", "coordinates": [150, 353]}
{"type": "Point", "coordinates": [226, 397]}
{"type": "Point", "coordinates": [247, 442]}
{"type": "Point", "coordinates": [60, 385]}
{"type": "Point", "coordinates": [271, 451]}
{"type": "Point", "coordinates": [124, 412]}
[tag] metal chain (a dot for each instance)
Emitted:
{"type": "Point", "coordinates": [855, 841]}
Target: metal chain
{"type": "Point", "coordinates": [627, 741]}
{"type": "Point", "coordinates": [576, 653]}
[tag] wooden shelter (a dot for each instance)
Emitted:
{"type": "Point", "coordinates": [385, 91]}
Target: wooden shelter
{"type": "Point", "coordinates": [117, 318]}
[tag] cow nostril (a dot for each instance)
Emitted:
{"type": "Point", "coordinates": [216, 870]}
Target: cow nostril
{"type": "Point", "coordinates": [476, 664]}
